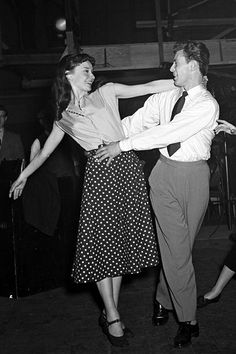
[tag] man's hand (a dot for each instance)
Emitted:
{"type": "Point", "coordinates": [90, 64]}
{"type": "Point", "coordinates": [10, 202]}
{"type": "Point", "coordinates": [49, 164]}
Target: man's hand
{"type": "Point", "coordinates": [108, 151]}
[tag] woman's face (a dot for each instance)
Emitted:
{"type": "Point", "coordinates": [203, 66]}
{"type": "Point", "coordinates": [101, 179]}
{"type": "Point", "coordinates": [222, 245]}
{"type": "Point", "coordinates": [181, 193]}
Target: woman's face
{"type": "Point", "coordinates": [82, 76]}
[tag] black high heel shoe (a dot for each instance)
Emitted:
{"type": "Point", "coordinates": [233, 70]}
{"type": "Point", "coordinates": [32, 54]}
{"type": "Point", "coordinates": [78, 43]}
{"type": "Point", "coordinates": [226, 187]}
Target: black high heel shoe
{"type": "Point", "coordinates": [102, 321]}
{"type": "Point", "coordinates": [203, 301]}
{"type": "Point", "coordinates": [116, 341]}
{"type": "Point", "coordinates": [128, 333]}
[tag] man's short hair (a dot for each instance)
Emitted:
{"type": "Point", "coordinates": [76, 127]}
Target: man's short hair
{"type": "Point", "coordinates": [195, 50]}
{"type": "Point", "coordinates": [2, 108]}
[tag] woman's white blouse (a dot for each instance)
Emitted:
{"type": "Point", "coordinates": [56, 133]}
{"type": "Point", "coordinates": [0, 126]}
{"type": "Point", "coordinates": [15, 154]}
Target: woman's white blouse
{"type": "Point", "coordinates": [97, 122]}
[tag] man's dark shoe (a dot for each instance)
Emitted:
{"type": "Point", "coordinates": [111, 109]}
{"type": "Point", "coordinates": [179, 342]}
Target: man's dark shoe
{"type": "Point", "coordinates": [160, 314]}
{"type": "Point", "coordinates": [184, 334]}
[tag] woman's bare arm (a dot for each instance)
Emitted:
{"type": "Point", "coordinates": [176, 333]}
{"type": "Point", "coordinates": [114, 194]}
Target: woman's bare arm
{"type": "Point", "coordinates": [128, 91]}
{"type": "Point", "coordinates": [51, 143]}
{"type": "Point", "coordinates": [35, 148]}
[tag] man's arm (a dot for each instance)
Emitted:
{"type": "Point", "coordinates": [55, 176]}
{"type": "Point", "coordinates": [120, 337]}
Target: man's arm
{"type": "Point", "coordinates": [144, 118]}
{"type": "Point", "coordinates": [186, 124]}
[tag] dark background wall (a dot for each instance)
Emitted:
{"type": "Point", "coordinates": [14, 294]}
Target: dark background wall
{"type": "Point", "coordinates": [30, 24]}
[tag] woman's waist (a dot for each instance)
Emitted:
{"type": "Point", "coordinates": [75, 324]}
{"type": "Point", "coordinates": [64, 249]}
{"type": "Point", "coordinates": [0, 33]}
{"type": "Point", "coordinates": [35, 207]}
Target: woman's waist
{"type": "Point", "coordinates": [92, 153]}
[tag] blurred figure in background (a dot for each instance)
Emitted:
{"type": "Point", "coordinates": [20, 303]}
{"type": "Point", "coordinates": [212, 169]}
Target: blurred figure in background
{"type": "Point", "coordinates": [11, 149]}
{"type": "Point", "coordinates": [229, 267]}
{"type": "Point", "coordinates": [51, 209]}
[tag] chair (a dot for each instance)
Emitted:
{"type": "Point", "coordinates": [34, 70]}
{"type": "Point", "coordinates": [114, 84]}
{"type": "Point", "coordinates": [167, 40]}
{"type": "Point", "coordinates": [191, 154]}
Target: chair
{"type": "Point", "coordinates": [216, 206]}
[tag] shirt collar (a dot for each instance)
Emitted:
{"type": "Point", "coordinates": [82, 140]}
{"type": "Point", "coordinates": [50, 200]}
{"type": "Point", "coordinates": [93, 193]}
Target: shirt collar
{"type": "Point", "coordinates": [195, 91]}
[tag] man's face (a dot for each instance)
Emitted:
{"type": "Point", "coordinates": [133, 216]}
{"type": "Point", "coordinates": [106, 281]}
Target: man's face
{"type": "Point", "coordinates": [180, 69]}
{"type": "Point", "coordinates": [3, 118]}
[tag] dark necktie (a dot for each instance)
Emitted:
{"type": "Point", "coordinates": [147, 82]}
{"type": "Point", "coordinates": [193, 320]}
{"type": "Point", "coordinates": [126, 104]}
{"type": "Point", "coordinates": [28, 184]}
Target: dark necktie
{"type": "Point", "coordinates": [172, 148]}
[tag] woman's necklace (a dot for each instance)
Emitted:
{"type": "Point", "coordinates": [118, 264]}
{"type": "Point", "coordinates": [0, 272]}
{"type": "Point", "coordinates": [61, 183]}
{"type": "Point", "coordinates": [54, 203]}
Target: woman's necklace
{"type": "Point", "coordinates": [77, 104]}
{"type": "Point", "coordinates": [74, 112]}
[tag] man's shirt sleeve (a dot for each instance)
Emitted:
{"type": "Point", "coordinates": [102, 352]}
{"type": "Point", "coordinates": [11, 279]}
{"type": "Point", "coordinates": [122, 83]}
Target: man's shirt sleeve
{"type": "Point", "coordinates": [185, 124]}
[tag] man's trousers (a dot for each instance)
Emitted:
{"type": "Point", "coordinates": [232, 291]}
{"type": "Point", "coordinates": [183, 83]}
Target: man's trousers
{"type": "Point", "coordinates": [179, 194]}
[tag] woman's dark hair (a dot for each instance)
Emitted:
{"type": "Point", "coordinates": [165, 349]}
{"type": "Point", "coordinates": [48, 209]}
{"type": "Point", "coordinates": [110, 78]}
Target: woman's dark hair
{"type": "Point", "coordinates": [194, 50]}
{"type": "Point", "coordinates": [61, 87]}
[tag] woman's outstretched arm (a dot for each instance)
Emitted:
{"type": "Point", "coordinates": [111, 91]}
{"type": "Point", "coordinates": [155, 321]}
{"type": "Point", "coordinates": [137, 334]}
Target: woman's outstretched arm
{"type": "Point", "coordinates": [35, 148]}
{"type": "Point", "coordinates": [128, 91]}
{"type": "Point", "coordinates": [51, 143]}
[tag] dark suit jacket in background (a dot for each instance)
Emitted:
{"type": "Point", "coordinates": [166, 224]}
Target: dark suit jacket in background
{"type": "Point", "coordinates": [11, 147]}
{"type": "Point", "coordinates": [11, 152]}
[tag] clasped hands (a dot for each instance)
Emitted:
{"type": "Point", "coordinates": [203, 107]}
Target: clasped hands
{"type": "Point", "coordinates": [108, 152]}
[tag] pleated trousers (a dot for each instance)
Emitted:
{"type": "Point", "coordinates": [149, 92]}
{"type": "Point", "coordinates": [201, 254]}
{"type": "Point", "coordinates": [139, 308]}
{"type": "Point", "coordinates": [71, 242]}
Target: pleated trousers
{"type": "Point", "coordinates": [179, 193]}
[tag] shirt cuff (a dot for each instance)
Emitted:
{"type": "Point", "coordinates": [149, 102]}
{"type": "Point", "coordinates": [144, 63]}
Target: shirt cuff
{"type": "Point", "coordinates": [125, 145]}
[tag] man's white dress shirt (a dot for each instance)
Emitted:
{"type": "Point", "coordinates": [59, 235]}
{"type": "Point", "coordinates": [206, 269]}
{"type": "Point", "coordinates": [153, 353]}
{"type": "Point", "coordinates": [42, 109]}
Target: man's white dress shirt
{"type": "Point", "coordinates": [150, 127]}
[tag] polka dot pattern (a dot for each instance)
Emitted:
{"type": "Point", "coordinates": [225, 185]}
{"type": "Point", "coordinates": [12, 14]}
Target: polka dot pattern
{"type": "Point", "coordinates": [115, 235]}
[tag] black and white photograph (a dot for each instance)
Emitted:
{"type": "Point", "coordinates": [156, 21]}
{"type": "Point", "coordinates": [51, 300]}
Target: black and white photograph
{"type": "Point", "coordinates": [117, 176]}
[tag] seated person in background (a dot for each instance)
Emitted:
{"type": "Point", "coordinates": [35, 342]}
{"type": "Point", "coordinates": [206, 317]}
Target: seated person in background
{"type": "Point", "coordinates": [11, 148]}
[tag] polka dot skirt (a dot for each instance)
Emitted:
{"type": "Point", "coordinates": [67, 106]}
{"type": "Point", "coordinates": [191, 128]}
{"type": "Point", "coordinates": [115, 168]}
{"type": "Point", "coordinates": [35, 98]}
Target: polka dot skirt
{"type": "Point", "coordinates": [115, 234]}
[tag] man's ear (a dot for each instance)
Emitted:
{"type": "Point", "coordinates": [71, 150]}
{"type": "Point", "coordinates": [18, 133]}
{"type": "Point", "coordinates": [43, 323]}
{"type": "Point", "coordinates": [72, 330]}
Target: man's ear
{"type": "Point", "coordinates": [194, 65]}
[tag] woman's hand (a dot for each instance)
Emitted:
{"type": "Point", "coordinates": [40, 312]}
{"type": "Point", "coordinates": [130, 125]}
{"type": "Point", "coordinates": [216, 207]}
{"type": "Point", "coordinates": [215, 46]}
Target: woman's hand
{"type": "Point", "coordinates": [17, 187]}
{"type": "Point", "coordinates": [108, 151]}
{"type": "Point", "coordinates": [226, 127]}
